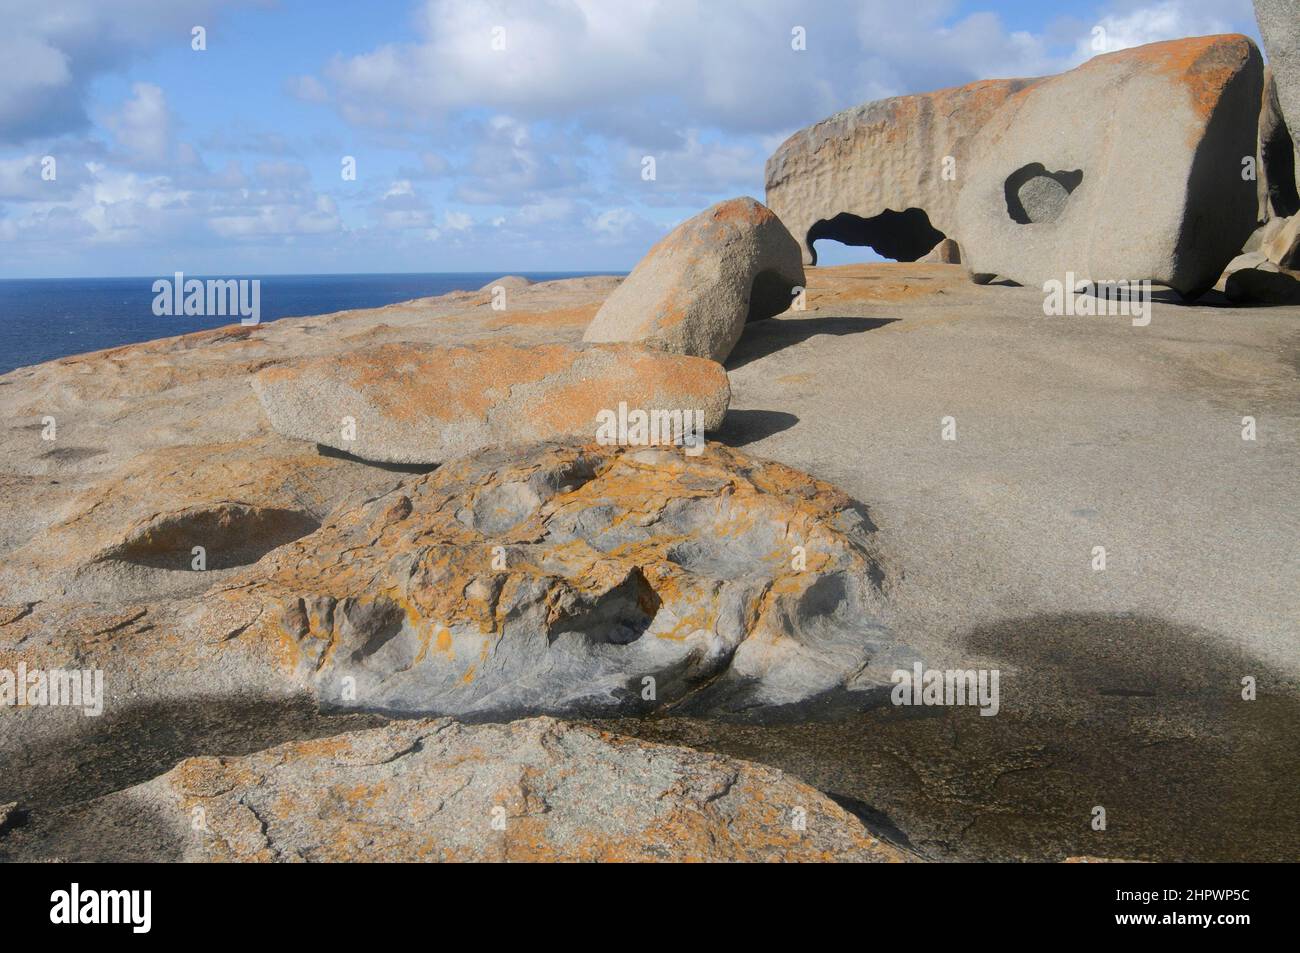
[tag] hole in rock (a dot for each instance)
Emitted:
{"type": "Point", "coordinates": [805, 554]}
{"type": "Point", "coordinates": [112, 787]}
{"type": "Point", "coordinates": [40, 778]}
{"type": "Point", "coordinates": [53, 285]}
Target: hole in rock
{"type": "Point", "coordinates": [231, 534]}
{"type": "Point", "coordinates": [902, 236]}
{"type": "Point", "coordinates": [1035, 195]}
{"type": "Point", "coordinates": [618, 616]}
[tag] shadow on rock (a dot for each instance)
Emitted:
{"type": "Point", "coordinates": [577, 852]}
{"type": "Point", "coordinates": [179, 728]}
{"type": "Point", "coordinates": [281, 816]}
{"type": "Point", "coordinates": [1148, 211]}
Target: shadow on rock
{"type": "Point", "coordinates": [762, 338]}
{"type": "Point", "coordinates": [117, 750]}
{"type": "Point", "coordinates": [743, 427]}
{"type": "Point", "coordinates": [1132, 714]}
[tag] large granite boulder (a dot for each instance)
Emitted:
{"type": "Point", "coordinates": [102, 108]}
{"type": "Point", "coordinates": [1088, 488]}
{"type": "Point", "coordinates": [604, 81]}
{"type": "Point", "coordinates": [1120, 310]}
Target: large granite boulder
{"type": "Point", "coordinates": [579, 579]}
{"type": "Point", "coordinates": [1127, 167]}
{"type": "Point", "coordinates": [1279, 27]}
{"type": "Point", "coordinates": [884, 174]}
{"type": "Point", "coordinates": [424, 404]}
{"type": "Point", "coordinates": [413, 791]}
{"type": "Point", "coordinates": [695, 290]}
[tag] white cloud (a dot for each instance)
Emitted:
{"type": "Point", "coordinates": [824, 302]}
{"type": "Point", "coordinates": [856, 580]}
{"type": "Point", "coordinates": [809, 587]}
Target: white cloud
{"type": "Point", "coordinates": [143, 126]}
{"type": "Point", "coordinates": [1151, 23]}
{"type": "Point", "coordinates": [307, 88]}
{"type": "Point", "coordinates": [457, 221]}
{"type": "Point", "coordinates": [52, 52]}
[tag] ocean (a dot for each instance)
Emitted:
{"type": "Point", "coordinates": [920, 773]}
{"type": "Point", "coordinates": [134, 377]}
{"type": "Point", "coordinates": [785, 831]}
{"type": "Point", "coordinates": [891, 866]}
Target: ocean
{"type": "Point", "coordinates": [45, 318]}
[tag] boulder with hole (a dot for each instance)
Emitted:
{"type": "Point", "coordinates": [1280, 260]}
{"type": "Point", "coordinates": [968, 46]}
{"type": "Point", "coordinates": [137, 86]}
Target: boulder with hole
{"type": "Point", "coordinates": [1127, 167]}
{"type": "Point", "coordinates": [884, 174]}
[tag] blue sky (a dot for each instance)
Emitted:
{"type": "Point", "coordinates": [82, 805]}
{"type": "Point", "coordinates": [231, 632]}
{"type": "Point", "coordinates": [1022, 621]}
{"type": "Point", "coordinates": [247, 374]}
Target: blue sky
{"type": "Point", "coordinates": [468, 157]}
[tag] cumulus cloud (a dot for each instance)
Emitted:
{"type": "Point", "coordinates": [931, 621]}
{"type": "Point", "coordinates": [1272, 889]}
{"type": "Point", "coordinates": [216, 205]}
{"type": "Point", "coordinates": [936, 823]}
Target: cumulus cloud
{"type": "Point", "coordinates": [53, 52]}
{"type": "Point", "coordinates": [143, 126]}
{"type": "Point", "coordinates": [504, 131]}
{"type": "Point", "coordinates": [1134, 24]}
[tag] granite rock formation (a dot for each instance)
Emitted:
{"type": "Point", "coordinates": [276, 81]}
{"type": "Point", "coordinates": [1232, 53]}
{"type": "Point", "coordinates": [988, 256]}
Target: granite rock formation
{"type": "Point", "coordinates": [401, 403]}
{"type": "Point", "coordinates": [695, 290]}
{"type": "Point", "coordinates": [1127, 167]}
{"type": "Point", "coordinates": [884, 174]}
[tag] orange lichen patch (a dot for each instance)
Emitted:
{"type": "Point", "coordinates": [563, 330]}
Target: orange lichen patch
{"type": "Point", "coordinates": [444, 642]}
{"type": "Point", "coordinates": [210, 777]}
{"type": "Point", "coordinates": [414, 384]}
{"type": "Point", "coordinates": [1205, 64]}
{"type": "Point", "coordinates": [742, 213]}
{"type": "Point", "coordinates": [579, 316]}
{"type": "Point", "coordinates": [834, 145]}
{"type": "Point", "coordinates": [643, 379]}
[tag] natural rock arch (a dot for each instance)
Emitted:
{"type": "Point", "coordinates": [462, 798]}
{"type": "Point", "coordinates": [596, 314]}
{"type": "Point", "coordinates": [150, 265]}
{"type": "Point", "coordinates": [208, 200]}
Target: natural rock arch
{"type": "Point", "coordinates": [903, 236]}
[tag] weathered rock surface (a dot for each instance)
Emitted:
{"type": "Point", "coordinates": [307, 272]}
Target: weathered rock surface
{"type": "Point", "coordinates": [947, 252]}
{"type": "Point", "coordinates": [694, 291]}
{"type": "Point", "coordinates": [424, 405]}
{"type": "Point", "coordinates": [1278, 196]}
{"type": "Point", "coordinates": [578, 579]}
{"type": "Point", "coordinates": [1127, 167]}
{"type": "Point", "coordinates": [1281, 245]}
{"type": "Point", "coordinates": [1138, 448]}
{"type": "Point", "coordinates": [875, 174]}
{"type": "Point", "coordinates": [1279, 27]}
{"type": "Point", "coordinates": [412, 791]}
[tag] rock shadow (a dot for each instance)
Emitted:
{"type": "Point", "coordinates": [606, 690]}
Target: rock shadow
{"type": "Point", "coordinates": [127, 746]}
{"type": "Point", "coordinates": [415, 468]}
{"type": "Point", "coordinates": [1133, 714]}
{"type": "Point", "coordinates": [762, 338]}
{"type": "Point", "coordinates": [742, 427]}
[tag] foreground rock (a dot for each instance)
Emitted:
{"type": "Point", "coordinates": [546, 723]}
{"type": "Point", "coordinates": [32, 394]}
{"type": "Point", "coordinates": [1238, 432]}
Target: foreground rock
{"type": "Point", "coordinates": [875, 174]}
{"type": "Point", "coordinates": [536, 790]}
{"type": "Point", "coordinates": [578, 579]}
{"type": "Point", "coordinates": [1150, 187]}
{"type": "Point", "coordinates": [695, 290]}
{"type": "Point", "coordinates": [426, 404]}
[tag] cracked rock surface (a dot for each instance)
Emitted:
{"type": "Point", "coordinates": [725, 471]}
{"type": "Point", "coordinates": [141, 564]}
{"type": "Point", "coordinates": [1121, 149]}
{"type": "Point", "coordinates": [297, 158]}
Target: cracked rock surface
{"type": "Point", "coordinates": [532, 790]}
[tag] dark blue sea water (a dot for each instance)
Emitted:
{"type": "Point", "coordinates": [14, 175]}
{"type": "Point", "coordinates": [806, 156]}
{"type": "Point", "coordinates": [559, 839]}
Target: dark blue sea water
{"type": "Point", "coordinates": [45, 318]}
